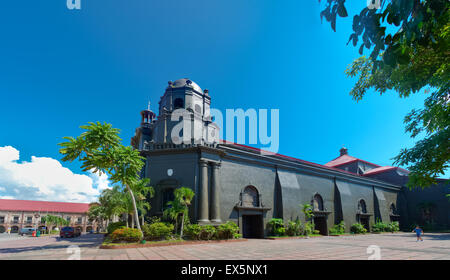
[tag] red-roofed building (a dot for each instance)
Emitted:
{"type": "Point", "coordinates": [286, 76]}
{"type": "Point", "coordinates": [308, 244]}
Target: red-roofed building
{"type": "Point", "coordinates": [351, 164]}
{"type": "Point", "coordinates": [17, 214]}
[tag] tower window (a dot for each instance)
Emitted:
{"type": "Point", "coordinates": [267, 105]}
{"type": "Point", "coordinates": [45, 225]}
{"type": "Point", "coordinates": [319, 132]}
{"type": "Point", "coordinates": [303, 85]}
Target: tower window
{"type": "Point", "coordinates": [178, 103]}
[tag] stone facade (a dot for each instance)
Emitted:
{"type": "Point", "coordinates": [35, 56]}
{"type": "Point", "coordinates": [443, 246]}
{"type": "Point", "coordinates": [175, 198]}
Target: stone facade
{"type": "Point", "coordinates": [233, 182]}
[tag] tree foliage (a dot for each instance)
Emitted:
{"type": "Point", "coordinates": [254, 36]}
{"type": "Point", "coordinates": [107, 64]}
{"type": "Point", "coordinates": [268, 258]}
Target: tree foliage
{"type": "Point", "coordinates": [409, 44]}
{"type": "Point", "coordinates": [179, 206]}
{"type": "Point", "coordinates": [99, 150]}
{"type": "Point", "coordinates": [51, 220]}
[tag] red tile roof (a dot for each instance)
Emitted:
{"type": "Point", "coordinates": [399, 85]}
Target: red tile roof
{"type": "Point", "coordinates": [43, 206]}
{"type": "Point", "coordinates": [383, 169]}
{"type": "Point", "coordinates": [346, 159]}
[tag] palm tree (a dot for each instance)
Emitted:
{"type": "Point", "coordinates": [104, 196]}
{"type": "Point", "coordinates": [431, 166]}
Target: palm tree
{"type": "Point", "coordinates": [142, 192]}
{"type": "Point", "coordinates": [99, 150]}
{"type": "Point", "coordinates": [49, 221]}
{"type": "Point", "coordinates": [173, 211]}
{"type": "Point", "coordinates": [183, 196]}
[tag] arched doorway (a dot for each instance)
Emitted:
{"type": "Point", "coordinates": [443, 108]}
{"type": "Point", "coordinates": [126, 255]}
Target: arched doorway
{"type": "Point", "coordinates": [320, 215]}
{"type": "Point", "coordinates": [14, 229]}
{"type": "Point", "coordinates": [362, 215]}
{"type": "Point", "coordinates": [89, 229]}
{"type": "Point", "coordinates": [251, 213]}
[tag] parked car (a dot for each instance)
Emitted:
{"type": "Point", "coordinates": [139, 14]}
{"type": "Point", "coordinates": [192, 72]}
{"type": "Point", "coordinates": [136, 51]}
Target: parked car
{"type": "Point", "coordinates": [69, 232]}
{"type": "Point", "coordinates": [26, 231]}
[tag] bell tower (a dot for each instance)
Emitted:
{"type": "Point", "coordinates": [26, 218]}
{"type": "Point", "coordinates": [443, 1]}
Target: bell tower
{"type": "Point", "coordinates": [145, 131]}
{"type": "Point", "coordinates": [184, 117]}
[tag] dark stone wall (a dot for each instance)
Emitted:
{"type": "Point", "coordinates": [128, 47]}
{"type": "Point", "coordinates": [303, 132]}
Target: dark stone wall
{"type": "Point", "coordinates": [281, 188]}
{"type": "Point", "coordinates": [440, 206]}
{"type": "Point", "coordinates": [234, 177]}
{"type": "Point", "coordinates": [351, 193]}
{"type": "Point", "coordinates": [409, 202]}
{"type": "Point", "coordinates": [185, 174]}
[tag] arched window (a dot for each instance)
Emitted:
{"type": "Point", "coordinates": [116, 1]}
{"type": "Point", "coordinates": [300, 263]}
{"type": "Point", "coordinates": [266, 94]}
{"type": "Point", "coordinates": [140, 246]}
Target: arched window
{"type": "Point", "coordinates": [317, 203]}
{"type": "Point", "coordinates": [250, 197]}
{"type": "Point", "coordinates": [178, 103]}
{"type": "Point", "coordinates": [362, 206]}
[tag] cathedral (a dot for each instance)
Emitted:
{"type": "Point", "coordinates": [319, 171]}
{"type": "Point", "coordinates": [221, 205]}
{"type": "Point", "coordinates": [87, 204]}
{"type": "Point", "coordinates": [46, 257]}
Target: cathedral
{"type": "Point", "coordinates": [234, 182]}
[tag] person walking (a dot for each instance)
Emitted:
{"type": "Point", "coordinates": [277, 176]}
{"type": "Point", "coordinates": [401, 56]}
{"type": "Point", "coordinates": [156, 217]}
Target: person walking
{"type": "Point", "coordinates": [419, 233]}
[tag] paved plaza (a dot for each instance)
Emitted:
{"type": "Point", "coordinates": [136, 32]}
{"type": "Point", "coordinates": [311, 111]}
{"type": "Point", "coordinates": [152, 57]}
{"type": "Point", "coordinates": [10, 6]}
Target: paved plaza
{"type": "Point", "coordinates": [399, 246]}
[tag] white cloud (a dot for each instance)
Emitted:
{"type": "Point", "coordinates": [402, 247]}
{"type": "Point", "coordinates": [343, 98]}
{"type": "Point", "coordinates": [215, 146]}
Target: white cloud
{"type": "Point", "coordinates": [45, 178]}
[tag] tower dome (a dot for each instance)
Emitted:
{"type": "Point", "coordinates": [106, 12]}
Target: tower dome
{"type": "Point", "coordinates": [185, 82]}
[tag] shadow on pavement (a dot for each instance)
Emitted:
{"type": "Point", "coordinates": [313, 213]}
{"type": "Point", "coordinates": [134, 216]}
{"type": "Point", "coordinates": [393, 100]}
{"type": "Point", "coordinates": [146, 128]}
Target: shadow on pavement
{"type": "Point", "coordinates": [84, 241]}
{"type": "Point", "coordinates": [434, 236]}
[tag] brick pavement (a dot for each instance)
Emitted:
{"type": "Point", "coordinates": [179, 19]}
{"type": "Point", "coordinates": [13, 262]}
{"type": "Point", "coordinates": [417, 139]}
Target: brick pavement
{"type": "Point", "coordinates": [392, 246]}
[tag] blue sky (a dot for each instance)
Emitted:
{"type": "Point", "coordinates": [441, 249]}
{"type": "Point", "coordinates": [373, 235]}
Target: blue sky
{"type": "Point", "coordinates": [61, 68]}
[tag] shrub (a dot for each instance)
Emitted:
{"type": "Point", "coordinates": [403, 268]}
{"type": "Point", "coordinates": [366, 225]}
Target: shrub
{"type": "Point", "coordinates": [383, 227]}
{"type": "Point", "coordinates": [113, 226]}
{"type": "Point", "coordinates": [294, 228]}
{"type": "Point", "coordinates": [193, 231]}
{"type": "Point", "coordinates": [152, 219]}
{"type": "Point", "coordinates": [125, 235]}
{"type": "Point", "coordinates": [208, 232]}
{"type": "Point", "coordinates": [338, 228]}
{"type": "Point", "coordinates": [358, 228]}
{"type": "Point", "coordinates": [277, 227]}
{"type": "Point", "coordinates": [157, 231]}
{"type": "Point", "coordinates": [380, 227]}
{"type": "Point", "coordinates": [395, 226]}
{"type": "Point", "coordinates": [227, 230]}
{"type": "Point", "coordinates": [308, 229]}
{"type": "Point", "coordinates": [205, 232]}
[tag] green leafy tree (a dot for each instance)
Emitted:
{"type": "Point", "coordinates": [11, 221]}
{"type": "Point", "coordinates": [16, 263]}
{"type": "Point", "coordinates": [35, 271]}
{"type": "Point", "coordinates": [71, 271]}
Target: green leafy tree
{"type": "Point", "coordinates": [97, 213]}
{"type": "Point", "coordinates": [308, 212]}
{"type": "Point", "coordinates": [409, 44]}
{"type": "Point", "coordinates": [99, 150]}
{"type": "Point", "coordinates": [173, 211]}
{"type": "Point", "coordinates": [182, 201]}
{"type": "Point", "coordinates": [49, 221]}
{"type": "Point", "coordinates": [143, 191]}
